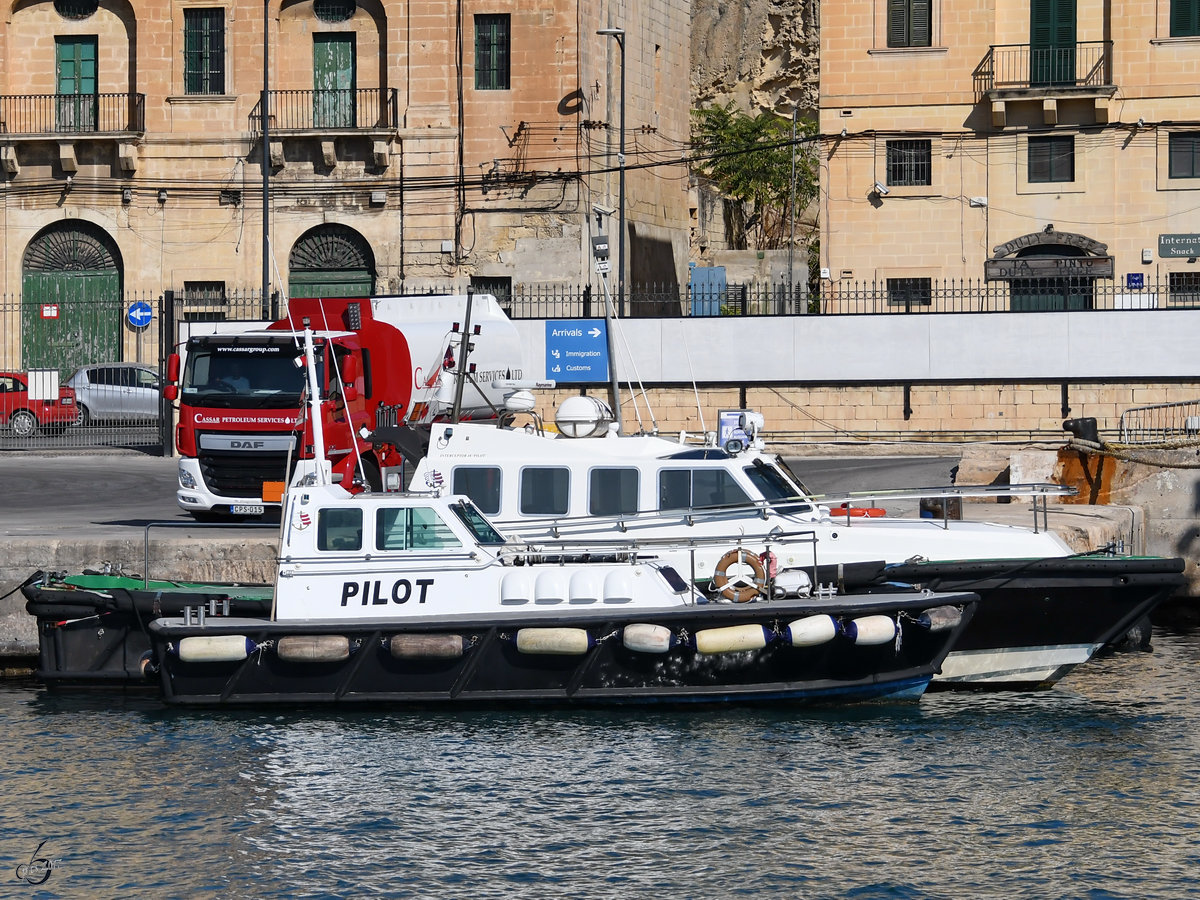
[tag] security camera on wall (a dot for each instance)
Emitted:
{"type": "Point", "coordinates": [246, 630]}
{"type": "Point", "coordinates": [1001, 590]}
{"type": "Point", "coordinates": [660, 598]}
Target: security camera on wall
{"type": "Point", "coordinates": [881, 189]}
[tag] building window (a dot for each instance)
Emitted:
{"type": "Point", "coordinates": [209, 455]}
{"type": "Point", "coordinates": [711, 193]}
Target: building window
{"type": "Point", "coordinates": [910, 292]}
{"type": "Point", "coordinates": [1051, 159]}
{"type": "Point", "coordinates": [334, 11]}
{"type": "Point", "coordinates": [1184, 288]}
{"type": "Point", "coordinates": [909, 163]}
{"type": "Point", "coordinates": [499, 287]}
{"type": "Point", "coordinates": [1183, 155]}
{"type": "Point", "coordinates": [1185, 18]}
{"type": "Point", "coordinates": [909, 23]}
{"type": "Point", "coordinates": [492, 45]}
{"type": "Point", "coordinates": [204, 51]}
{"type": "Point", "coordinates": [204, 301]}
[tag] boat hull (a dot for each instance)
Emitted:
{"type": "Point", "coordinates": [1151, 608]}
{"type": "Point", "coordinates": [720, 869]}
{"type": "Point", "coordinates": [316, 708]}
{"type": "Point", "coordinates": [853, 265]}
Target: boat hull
{"type": "Point", "coordinates": [1039, 619]}
{"type": "Point", "coordinates": [92, 629]}
{"type": "Point", "coordinates": [493, 668]}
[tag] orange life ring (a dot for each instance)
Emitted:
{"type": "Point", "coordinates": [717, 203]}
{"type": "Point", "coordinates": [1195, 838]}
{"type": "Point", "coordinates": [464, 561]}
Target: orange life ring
{"type": "Point", "coordinates": [870, 512]}
{"type": "Point", "coordinates": [737, 587]}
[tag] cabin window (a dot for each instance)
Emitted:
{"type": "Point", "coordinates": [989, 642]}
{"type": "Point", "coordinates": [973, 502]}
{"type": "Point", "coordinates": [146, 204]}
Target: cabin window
{"type": "Point", "coordinates": [481, 484]}
{"type": "Point", "coordinates": [413, 528]}
{"type": "Point", "coordinates": [688, 488]}
{"type": "Point", "coordinates": [545, 491]}
{"type": "Point", "coordinates": [613, 492]}
{"type": "Point", "coordinates": [339, 529]}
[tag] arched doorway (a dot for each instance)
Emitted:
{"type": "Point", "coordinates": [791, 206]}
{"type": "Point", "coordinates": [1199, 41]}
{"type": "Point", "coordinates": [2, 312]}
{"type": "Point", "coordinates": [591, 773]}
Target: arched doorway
{"type": "Point", "coordinates": [331, 261]}
{"type": "Point", "coordinates": [1050, 270]}
{"type": "Point", "coordinates": [70, 298]}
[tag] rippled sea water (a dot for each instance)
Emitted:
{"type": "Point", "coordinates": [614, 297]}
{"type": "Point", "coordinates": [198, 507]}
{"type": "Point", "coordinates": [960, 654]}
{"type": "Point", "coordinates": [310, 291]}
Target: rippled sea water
{"type": "Point", "coordinates": [1089, 790]}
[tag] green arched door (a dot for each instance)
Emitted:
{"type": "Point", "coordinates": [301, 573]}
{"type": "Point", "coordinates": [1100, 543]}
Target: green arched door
{"type": "Point", "coordinates": [331, 261]}
{"type": "Point", "coordinates": [70, 298]}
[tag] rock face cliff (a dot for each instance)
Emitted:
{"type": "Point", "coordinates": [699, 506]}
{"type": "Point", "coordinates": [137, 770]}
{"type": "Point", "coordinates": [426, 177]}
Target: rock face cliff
{"type": "Point", "coordinates": [763, 54]}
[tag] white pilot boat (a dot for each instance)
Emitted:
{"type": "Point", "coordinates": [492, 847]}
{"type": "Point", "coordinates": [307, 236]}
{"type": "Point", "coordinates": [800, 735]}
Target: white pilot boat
{"type": "Point", "coordinates": [416, 598]}
{"type": "Point", "coordinates": [1043, 611]}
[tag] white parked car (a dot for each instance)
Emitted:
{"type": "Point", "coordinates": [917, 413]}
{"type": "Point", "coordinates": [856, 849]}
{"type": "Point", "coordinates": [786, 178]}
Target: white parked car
{"type": "Point", "coordinates": [116, 392]}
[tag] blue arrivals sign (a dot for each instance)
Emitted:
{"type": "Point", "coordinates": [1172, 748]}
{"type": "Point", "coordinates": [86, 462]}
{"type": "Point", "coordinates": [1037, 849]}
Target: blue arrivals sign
{"type": "Point", "coordinates": [577, 350]}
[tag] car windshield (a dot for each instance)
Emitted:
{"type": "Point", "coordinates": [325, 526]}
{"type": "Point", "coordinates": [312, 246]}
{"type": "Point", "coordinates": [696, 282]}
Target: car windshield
{"type": "Point", "coordinates": [246, 376]}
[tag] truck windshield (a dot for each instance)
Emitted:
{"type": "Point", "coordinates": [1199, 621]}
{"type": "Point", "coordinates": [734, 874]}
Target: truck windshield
{"type": "Point", "coordinates": [255, 376]}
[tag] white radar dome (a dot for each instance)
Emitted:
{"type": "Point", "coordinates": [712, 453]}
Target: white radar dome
{"type": "Point", "coordinates": [520, 401]}
{"type": "Point", "coordinates": [583, 417]}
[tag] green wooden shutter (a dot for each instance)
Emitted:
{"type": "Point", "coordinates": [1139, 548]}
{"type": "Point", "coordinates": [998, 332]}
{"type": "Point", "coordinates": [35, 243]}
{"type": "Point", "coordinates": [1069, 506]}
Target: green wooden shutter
{"type": "Point", "coordinates": [1185, 18]}
{"type": "Point", "coordinates": [920, 24]}
{"type": "Point", "coordinates": [333, 80]}
{"type": "Point", "coordinates": [75, 62]}
{"type": "Point", "coordinates": [491, 52]}
{"type": "Point", "coordinates": [204, 51]}
{"type": "Point", "coordinates": [897, 23]}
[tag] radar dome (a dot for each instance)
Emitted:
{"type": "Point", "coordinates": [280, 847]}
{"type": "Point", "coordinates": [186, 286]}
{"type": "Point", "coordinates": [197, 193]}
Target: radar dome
{"type": "Point", "coordinates": [583, 416]}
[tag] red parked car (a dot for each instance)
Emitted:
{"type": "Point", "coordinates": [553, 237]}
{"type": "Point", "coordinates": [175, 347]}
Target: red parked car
{"type": "Point", "coordinates": [24, 416]}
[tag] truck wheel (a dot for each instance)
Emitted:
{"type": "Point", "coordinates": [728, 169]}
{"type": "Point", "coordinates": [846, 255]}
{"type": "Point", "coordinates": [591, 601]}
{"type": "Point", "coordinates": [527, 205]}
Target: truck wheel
{"type": "Point", "coordinates": [23, 423]}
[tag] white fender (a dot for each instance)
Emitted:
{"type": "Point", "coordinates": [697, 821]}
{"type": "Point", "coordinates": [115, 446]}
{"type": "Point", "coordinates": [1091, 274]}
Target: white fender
{"type": "Point", "coordinates": [645, 638]}
{"type": "Point", "coordinates": [869, 631]}
{"type": "Point", "coordinates": [731, 639]}
{"type": "Point", "coordinates": [554, 641]}
{"type": "Point", "coordinates": [215, 648]}
{"type": "Point", "coordinates": [313, 648]}
{"type": "Point", "coordinates": [812, 631]}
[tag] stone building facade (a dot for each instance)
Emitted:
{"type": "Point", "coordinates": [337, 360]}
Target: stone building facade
{"type": "Point", "coordinates": [1049, 148]}
{"type": "Point", "coordinates": [409, 145]}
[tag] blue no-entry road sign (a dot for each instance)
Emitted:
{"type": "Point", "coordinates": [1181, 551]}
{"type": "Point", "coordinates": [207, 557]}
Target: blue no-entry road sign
{"type": "Point", "coordinates": [577, 350]}
{"type": "Point", "coordinates": [140, 314]}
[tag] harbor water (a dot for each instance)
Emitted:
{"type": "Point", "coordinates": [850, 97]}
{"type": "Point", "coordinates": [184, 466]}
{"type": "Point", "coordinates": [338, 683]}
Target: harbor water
{"type": "Point", "coordinates": [1088, 790]}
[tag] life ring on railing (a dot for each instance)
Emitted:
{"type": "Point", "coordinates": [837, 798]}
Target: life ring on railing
{"type": "Point", "coordinates": [739, 586]}
{"type": "Point", "coordinates": [870, 512]}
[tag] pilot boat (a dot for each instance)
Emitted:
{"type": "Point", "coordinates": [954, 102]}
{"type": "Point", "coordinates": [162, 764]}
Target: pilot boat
{"type": "Point", "coordinates": [1044, 610]}
{"type": "Point", "coordinates": [406, 597]}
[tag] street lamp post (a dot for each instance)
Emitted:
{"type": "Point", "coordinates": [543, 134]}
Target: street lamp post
{"type": "Point", "coordinates": [619, 34]}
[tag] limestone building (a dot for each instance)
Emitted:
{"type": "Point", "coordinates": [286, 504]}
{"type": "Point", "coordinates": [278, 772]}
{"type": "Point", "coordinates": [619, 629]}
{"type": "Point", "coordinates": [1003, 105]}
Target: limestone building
{"type": "Point", "coordinates": [1039, 154]}
{"type": "Point", "coordinates": [408, 144]}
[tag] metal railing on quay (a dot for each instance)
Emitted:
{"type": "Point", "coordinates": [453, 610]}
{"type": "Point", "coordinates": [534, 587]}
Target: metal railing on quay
{"type": "Point", "coordinates": [1162, 423]}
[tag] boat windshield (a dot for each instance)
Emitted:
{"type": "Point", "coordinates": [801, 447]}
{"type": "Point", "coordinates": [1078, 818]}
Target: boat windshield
{"type": "Point", "coordinates": [774, 485]}
{"type": "Point", "coordinates": [474, 520]}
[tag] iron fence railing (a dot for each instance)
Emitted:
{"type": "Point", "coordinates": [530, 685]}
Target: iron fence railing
{"type": "Point", "coordinates": [1163, 423]}
{"type": "Point", "coordinates": [361, 108]}
{"type": "Point", "coordinates": [1086, 64]}
{"type": "Point", "coordinates": [22, 114]}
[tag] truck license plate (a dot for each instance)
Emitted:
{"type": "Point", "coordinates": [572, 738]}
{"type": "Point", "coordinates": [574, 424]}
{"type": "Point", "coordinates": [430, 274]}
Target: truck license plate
{"type": "Point", "coordinates": [246, 510]}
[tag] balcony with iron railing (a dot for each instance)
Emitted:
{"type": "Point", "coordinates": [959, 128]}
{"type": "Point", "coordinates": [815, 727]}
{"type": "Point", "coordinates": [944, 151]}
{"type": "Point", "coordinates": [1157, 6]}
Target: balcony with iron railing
{"type": "Point", "coordinates": [1011, 73]}
{"type": "Point", "coordinates": [38, 115]}
{"type": "Point", "coordinates": [302, 113]}
{"type": "Point", "coordinates": [1080, 68]}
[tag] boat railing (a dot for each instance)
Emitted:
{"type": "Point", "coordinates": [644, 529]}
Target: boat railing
{"type": "Point", "coordinates": [1038, 492]}
{"type": "Point", "coordinates": [206, 525]}
{"type": "Point", "coordinates": [559, 526]}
